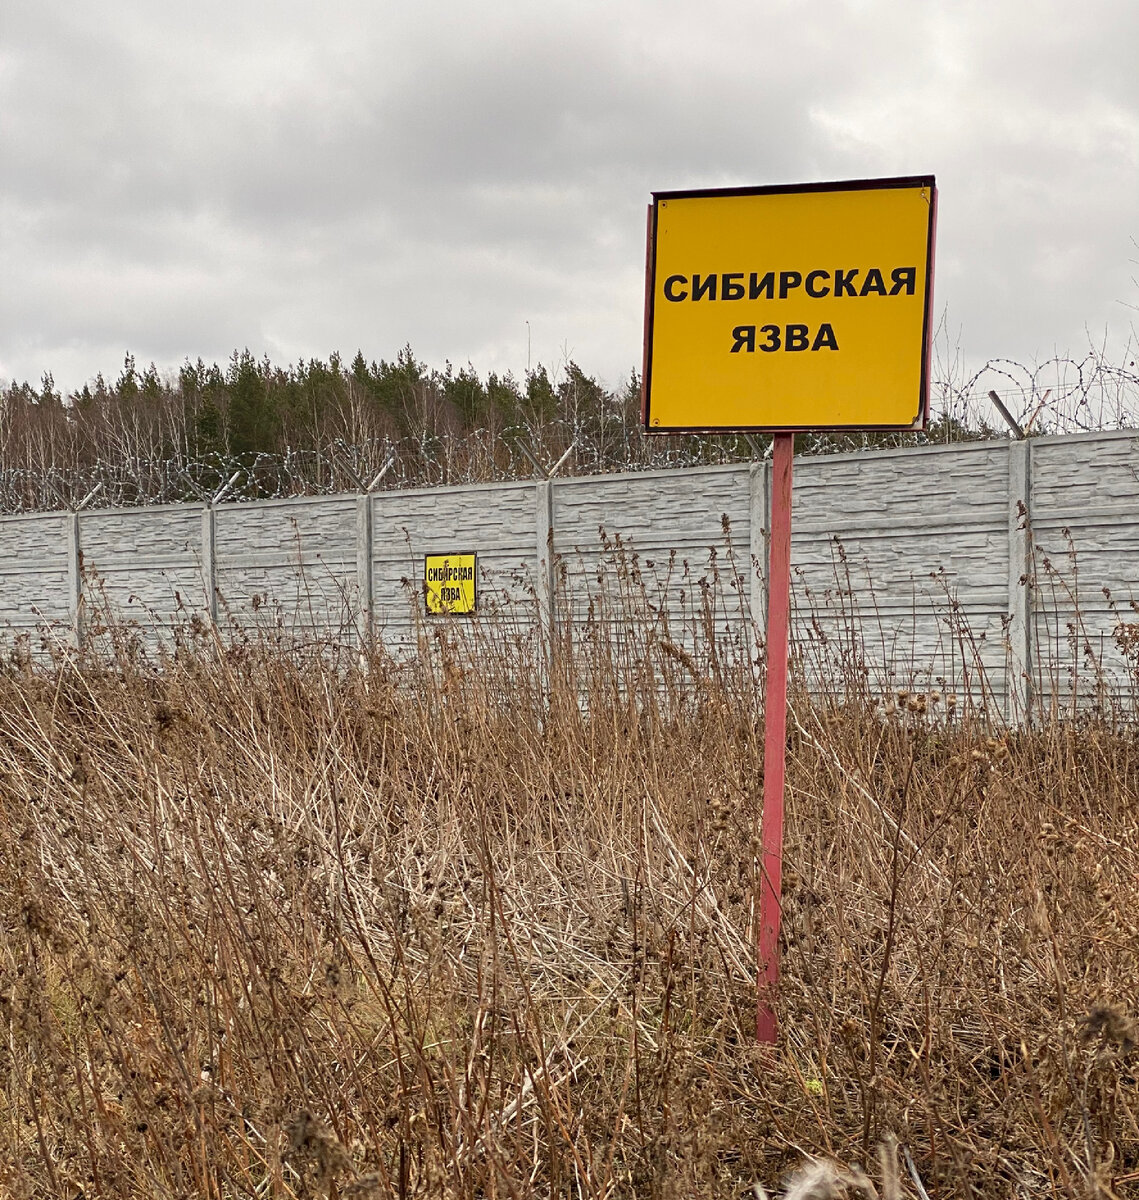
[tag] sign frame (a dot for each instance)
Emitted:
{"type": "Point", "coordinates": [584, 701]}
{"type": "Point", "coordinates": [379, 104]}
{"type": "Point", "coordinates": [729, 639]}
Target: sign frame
{"type": "Point", "coordinates": [474, 583]}
{"type": "Point", "coordinates": [921, 417]}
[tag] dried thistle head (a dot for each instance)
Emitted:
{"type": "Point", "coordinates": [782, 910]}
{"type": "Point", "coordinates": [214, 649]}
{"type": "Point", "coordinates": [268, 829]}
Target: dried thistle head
{"type": "Point", "coordinates": [823, 1179]}
{"type": "Point", "coordinates": [367, 1187]}
{"type": "Point", "coordinates": [1112, 1025]}
{"type": "Point", "coordinates": [313, 1144]}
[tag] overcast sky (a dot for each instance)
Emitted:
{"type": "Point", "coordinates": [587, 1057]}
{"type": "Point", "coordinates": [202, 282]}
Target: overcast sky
{"type": "Point", "coordinates": [183, 180]}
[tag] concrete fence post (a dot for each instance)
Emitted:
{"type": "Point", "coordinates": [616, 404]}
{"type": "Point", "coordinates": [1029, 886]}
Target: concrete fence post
{"type": "Point", "coordinates": [1021, 667]}
{"type": "Point", "coordinates": [209, 560]}
{"type": "Point", "coordinates": [544, 550]}
{"type": "Point", "coordinates": [364, 567]}
{"type": "Point", "coordinates": [74, 579]}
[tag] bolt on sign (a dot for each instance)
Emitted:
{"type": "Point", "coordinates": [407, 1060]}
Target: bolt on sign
{"type": "Point", "coordinates": [450, 583]}
{"type": "Point", "coordinates": [785, 308]}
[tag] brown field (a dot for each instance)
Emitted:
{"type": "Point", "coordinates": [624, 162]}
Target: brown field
{"type": "Point", "coordinates": [480, 923]}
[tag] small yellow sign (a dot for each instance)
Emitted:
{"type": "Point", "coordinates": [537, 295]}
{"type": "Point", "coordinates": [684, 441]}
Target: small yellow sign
{"type": "Point", "coordinates": [804, 307]}
{"type": "Point", "coordinates": [450, 583]}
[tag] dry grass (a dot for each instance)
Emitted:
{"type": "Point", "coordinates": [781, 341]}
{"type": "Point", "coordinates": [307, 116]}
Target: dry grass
{"type": "Point", "coordinates": [286, 925]}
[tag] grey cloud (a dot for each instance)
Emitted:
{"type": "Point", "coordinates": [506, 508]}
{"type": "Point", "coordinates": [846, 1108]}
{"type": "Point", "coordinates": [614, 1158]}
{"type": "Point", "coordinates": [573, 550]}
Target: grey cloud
{"type": "Point", "coordinates": [299, 179]}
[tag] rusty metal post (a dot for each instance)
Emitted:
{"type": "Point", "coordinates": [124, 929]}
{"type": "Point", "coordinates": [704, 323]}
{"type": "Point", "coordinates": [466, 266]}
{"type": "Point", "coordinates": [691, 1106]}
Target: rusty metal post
{"type": "Point", "coordinates": [775, 736]}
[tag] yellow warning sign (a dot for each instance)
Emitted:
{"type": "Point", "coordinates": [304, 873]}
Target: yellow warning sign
{"type": "Point", "coordinates": [450, 583]}
{"type": "Point", "coordinates": [804, 307]}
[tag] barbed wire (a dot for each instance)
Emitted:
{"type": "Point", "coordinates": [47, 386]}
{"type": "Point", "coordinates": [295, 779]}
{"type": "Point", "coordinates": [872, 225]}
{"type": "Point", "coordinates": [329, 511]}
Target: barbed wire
{"type": "Point", "coordinates": [1061, 395]}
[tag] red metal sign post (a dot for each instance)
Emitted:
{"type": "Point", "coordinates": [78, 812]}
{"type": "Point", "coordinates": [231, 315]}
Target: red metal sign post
{"type": "Point", "coordinates": [775, 735]}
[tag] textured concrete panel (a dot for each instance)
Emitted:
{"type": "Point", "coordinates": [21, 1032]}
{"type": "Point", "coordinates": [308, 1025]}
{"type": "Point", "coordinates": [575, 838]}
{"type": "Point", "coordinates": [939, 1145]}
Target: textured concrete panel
{"type": "Point", "coordinates": [498, 522]}
{"type": "Point", "coordinates": [669, 548]}
{"type": "Point", "coordinates": [289, 565]}
{"type": "Point", "coordinates": [922, 566]}
{"type": "Point", "coordinates": [145, 562]}
{"type": "Point", "coordinates": [1085, 534]}
{"type": "Point", "coordinates": [33, 571]}
{"type": "Point", "coordinates": [904, 555]}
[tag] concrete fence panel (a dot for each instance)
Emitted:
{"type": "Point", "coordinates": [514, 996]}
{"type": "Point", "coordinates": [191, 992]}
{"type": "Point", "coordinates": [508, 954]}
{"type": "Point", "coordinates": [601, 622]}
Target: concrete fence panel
{"type": "Point", "coordinates": [1084, 567]}
{"type": "Point", "coordinates": [289, 562]}
{"type": "Point", "coordinates": [671, 547]}
{"type": "Point", "coordinates": [144, 562]}
{"type": "Point", "coordinates": [498, 522]}
{"type": "Point", "coordinates": [39, 575]}
{"type": "Point", "coordinates": [902, 558]}
{"type": "Point", "coordinates": [1008, 570]}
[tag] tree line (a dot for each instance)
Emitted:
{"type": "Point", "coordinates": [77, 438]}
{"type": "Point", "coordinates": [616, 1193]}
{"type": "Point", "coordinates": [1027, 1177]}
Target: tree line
{"type": "Point", "coordinates": [316, 426]}
{"type": "Point", "coordinates": [256, 429]}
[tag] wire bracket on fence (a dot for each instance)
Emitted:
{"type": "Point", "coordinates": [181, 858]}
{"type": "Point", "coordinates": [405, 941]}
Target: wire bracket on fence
{"type": "Point", "coordinates": [89, 497]}
{"type": "Point", "coordinates": [561, 461]}
{"type": "Point", "coordinates": [542, 472]}
{"type": "Point", "coordinates": [1010, 420]}
{"type": "Point", "coordinates": [379, 477]}
{"type": "Point", "coordinates": [224, 490]}
{"type": "Point", "coordinates": [353, 476]}
{"type": "Point", "coordinates": [533, 460]}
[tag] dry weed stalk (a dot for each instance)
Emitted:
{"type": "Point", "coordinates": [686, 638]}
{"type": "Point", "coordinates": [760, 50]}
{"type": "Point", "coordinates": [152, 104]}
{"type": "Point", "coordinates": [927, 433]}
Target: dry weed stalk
{"type": "Point", "coordinates": [480, 923]}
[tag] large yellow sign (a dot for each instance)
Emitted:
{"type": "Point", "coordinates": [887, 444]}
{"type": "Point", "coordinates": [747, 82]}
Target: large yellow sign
{"type": "Point", "coordinates": [803, 307]}
{"type": "Point", "coordinates": [450, 583]}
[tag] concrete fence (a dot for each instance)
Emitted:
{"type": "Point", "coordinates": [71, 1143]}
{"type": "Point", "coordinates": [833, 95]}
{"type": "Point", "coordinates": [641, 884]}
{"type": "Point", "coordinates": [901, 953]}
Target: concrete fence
{"type": "Point", "coordinates": [1007, 569]}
